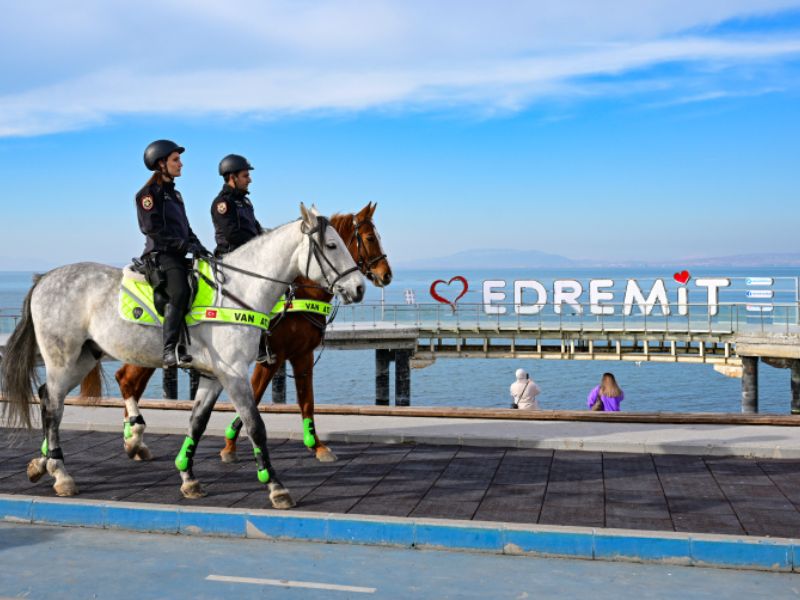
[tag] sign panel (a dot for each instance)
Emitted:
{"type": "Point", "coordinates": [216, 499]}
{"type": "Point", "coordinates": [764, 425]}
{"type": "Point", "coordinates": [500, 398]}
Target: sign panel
{"type": "Point", "coordinates": [760, 293]}
{"type": "Point", "coordinates": [758, 281]}
{"type": "Point", "coordinates": [760, 308]}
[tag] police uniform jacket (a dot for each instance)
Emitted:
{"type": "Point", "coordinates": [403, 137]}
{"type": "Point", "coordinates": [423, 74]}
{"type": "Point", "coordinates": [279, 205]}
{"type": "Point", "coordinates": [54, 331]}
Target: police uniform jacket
{"type": "Point", "coordinates": [162, 218]}
{"type": "Point", "coordinates": [234, 220]}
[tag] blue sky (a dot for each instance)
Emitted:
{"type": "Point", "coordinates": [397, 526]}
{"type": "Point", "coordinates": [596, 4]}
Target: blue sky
{"type": "Point", "coordinates": [619, 130]}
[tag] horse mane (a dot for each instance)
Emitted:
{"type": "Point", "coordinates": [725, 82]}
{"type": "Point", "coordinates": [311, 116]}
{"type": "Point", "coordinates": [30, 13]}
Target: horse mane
{"type": "Point", "coordinates": [343, 224]}
{"type": "Point", "coordinates": [265, 233]}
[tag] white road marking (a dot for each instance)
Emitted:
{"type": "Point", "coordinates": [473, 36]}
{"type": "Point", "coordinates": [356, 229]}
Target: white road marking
{"type": "Point", "coordinates": [288, 583]}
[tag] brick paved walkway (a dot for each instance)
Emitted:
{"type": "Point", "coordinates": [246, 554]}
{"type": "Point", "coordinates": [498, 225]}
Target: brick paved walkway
{"type": "Point", "coordinates": [638, 491]}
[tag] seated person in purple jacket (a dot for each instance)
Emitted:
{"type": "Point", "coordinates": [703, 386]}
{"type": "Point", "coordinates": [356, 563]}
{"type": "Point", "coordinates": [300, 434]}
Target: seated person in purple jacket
{"type": "Point", "coordinates": [606, 396]}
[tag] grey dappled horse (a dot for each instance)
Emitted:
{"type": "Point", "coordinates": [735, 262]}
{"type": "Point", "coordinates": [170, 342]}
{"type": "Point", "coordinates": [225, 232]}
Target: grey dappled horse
{"type": "Point", "coordinates": [71, 315]}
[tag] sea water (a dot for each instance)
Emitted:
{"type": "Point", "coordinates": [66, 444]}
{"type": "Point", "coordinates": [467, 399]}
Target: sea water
{"type": "Point", "coordinates": [348, 376]}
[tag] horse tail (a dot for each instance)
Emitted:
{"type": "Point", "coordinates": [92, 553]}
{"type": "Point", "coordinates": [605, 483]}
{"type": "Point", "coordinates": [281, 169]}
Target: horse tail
{"type": "Point", "coordinates": [18, 369]}
{"type": "Point", "coordinates": [92, 384]}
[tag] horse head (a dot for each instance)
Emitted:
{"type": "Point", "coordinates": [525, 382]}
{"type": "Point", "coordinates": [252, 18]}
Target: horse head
{"type": "Point", "coordinates": [326, 259]}
{"type": "Point", "coordinates": [365, 247]}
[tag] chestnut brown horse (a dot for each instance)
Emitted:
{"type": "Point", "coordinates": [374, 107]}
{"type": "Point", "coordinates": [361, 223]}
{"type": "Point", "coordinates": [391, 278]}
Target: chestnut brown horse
{"type": "Point", "coordinates": [293, 338]}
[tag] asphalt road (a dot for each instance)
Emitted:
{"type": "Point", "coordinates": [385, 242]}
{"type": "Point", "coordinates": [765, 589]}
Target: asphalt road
{"type": "Point", "coordinates": [54, 562]}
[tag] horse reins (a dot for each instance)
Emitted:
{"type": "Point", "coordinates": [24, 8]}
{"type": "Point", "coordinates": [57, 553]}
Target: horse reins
{"type": "Point", "coordinates": [315, 248]}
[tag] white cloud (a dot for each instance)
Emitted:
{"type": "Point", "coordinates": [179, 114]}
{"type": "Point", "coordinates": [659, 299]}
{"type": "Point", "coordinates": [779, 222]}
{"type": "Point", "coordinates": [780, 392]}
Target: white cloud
{"type": "Point", "coordinates": [77, 69]}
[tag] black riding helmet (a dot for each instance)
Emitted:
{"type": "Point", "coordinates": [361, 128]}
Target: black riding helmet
{"type": "Point", "coordinates": [233, 163]}
{"type": "Point", "coordinates": [160, 150]}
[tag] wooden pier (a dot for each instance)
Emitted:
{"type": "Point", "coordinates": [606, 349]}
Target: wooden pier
{"type": "Point", "coordinates": [730, 345]}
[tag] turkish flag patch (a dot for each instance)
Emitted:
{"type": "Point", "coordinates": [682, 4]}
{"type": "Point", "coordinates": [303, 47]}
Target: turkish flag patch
{"type": "Point", "coordinates": [222, 208]}
{"type": "Point", "coordinates": [211, 314]}
{"type": "Point", "coordinates": [147, 203]}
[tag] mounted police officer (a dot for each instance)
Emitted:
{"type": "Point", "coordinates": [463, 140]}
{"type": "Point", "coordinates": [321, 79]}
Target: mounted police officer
{"type": "Point", "coordinates": [232, 212]}
{"type": "Point", "coordinates": [162, 218]}
{"type": "Point", "coordinates": [234, 219]}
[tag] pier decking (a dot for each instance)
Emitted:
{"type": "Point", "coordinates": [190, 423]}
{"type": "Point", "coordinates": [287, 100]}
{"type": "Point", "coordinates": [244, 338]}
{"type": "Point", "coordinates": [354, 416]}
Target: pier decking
{"type": "Point", "coordinates": [701, 494]}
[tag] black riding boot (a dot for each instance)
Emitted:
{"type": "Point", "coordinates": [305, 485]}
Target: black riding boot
{"type": "Point", "coordinates": [174, 353]}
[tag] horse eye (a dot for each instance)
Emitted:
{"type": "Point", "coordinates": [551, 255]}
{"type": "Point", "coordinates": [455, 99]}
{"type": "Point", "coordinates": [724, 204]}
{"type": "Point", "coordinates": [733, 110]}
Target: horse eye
{"type": "Point", "coordinates": [370, 238]}
{"type": "Point", "coordinates": [331, 245]}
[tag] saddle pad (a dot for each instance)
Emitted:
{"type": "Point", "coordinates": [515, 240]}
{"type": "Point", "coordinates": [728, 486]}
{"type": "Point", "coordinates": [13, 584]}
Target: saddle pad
{"type": "Point", "coordinates": [136, 298]}
{"type": "Point", "coordinates": [136, 304]}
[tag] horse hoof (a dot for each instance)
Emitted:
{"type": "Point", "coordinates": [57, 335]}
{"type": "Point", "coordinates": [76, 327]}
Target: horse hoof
{"type": "Point", "coordinates": [35, 470]}
{"type": "Point", "coordinates": [192, 490]}
{"type": "Point", "coordinates": [325, 455]}
{"type": "Point", "coordinates": [131, 451]}
{"type": "Point", "coordinates": [282, 500]}
{"type": "Point", "coordinates": [228, 457]}
{"type": "Point", "coordinates": [143, 453]}
{"type": "Point", "coordinates": [66, 487]}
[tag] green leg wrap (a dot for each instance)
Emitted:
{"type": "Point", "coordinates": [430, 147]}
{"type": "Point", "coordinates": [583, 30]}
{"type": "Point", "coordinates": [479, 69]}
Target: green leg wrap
{"type": "Point", "coordinates": [308, 433]}
{"type": "Point", "coordinates": [184, 459]}
{"type": "Point", "coordinates": [127, 431]}
{"type": "Point", "coordinates": [232, 431]}
{"type": "Point", "coordinates": [261, 464]}
{"type": "Point", "coordinates": [44, 447]}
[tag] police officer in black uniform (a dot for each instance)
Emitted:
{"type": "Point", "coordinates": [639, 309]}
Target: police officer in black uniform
{"type": "Point", "coordinates": [234, 219]}
{"type": "Point", "coordinates": [162, 218]}
{"type": "Point", "coordinates": [232, 212]}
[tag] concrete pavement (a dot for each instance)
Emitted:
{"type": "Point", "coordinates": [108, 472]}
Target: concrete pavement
{"type": "Point", "coordinates": [755, 441]}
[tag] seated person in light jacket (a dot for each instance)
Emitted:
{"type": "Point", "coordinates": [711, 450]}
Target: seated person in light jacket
{"type": "Point", "coordinates": [524, 391]}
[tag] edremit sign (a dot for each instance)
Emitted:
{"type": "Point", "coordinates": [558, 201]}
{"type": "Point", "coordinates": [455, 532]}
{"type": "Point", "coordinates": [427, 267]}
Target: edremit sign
{"type": "Point", "coordinates": [601, 296]}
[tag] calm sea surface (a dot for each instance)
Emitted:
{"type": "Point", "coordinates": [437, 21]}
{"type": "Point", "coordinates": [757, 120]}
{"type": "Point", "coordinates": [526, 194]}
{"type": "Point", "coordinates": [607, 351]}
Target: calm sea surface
{"type": "Point", "coordinates": [348, 376]}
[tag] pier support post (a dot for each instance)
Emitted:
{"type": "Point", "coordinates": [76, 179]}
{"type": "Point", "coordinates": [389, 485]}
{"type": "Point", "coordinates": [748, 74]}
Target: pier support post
{"type": "Point", "coordinates": [795, 371]}
{"type": "Point", "coordinates": [169, 383]}
{"type": "Point", "coordinates": [279, 386]}
{"type": "Point", "coordinates": [382, 359]}
{"type": "Point", "coordinates": [749, 384]}
{"type": "Point", "coordinates": [194, 383]}
{"type": "Point", "coordinates": [402, 378]}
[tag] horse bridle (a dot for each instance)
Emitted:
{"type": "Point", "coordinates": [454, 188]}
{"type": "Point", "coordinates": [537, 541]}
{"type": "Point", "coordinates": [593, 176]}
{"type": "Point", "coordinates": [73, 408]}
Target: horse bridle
{"type": "Point", "coordinates": [364, 263]}
{"type": "Point", "coordinates": [315, 248]}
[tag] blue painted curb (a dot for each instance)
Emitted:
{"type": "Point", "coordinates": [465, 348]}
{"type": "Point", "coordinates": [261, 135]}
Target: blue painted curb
{"type": "Point", "coordinates": [739, 552]}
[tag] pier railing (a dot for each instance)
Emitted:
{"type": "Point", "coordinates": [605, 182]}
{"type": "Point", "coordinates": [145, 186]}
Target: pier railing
{"type": "Point", "coordinates": [727, 318]}
{"type": "Point", "coordinates": [8, 319]}
{"type": "Point", "coordinates": [721, 319]}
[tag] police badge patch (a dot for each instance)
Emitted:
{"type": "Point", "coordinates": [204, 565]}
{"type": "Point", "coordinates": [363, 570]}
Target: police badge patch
{"type": "Point", "coordinates": [147, 203]}
{"type": "Point", "coordinates": [222, 208]}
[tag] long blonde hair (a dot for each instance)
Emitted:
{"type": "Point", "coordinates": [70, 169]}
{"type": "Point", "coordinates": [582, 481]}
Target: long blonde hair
{"type": "Point", "coordinates": [155, 178]}
{"type": "Point", "coordinates": [609, 387]}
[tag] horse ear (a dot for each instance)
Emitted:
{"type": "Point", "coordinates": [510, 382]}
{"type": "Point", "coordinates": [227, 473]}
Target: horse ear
{"type": "Point", "coordinates": [309, 218]}
{"type": "Point", "coordinates": [314, 210]}
{"type": "Point", "coordinates": [372, 210]}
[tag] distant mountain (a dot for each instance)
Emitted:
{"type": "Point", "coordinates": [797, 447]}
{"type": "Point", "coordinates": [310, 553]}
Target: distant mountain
{"type": "Point", "coordinates": [791, 259]}
{"type": "Point", "coordinates": [519, 259]}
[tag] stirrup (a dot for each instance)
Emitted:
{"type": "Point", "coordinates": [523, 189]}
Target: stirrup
{"type": "Point", "coordinates": [265, 358]}
{"type": "Point", "coordinates": [182, 357]}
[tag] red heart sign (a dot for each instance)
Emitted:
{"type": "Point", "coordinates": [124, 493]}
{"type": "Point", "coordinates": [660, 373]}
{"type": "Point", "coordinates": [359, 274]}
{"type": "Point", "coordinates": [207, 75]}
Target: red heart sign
{"type": "Point", "coordinates": [682, 277]}
{"type": "Point", "coordinates": [439, 298]}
